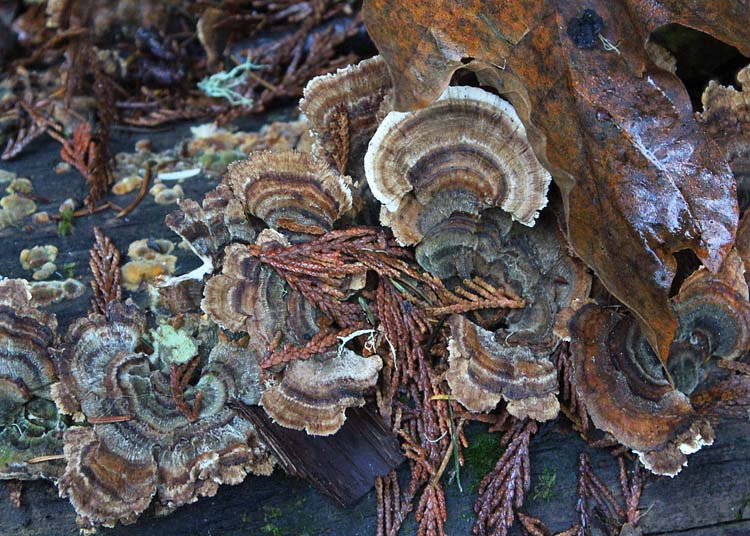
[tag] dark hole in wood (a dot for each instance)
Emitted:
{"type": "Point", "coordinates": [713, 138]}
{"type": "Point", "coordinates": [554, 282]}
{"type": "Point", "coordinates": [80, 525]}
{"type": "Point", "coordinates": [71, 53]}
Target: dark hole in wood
{"type": "Point", "coordinates": [700, 58]}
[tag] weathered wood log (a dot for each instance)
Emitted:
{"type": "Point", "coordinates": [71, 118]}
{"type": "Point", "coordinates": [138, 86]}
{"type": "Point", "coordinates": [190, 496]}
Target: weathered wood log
{"type": "Point", "coordinates": [343, 465]}
{"type": "Point", "coordinates": [710, 497]}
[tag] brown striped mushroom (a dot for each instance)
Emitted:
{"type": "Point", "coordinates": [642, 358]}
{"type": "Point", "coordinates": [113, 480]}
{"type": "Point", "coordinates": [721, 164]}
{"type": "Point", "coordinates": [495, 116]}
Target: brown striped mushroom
{"type": "Point", "coordinates": [484, 371]}
{"type": "Point", "coordinates": [297, 197]}
{"type": "Point", "coordinates": [292, 192]}
{"type": "Point", "coordinates": [464, 153]}
{"type": "Point", "coordinates": [508, 358]}
{"type": "Point", "coordinates": [313, 394]}
{"type": "Point", "coordinates": [713, 315]}
{"type": "Point", "coordinates": [459, 180]}
{"type": "Point", "coordinates": [209, 227]}
{"type": "Point", "coordinates": [344, 109]}
{"type": "Point", "coordinates": [250, 297]}
{"type": "Point", "coordinates": [141, 442]}
{"type": "Point", "coordinates": [622, 385]}
{"type": "Point", "coordinates": [30, 425]}
{"type": "Point", "coordinates": [310, 394]}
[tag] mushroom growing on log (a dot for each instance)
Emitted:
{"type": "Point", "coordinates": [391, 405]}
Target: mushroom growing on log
{"type": "Point", "coordinates": [464, 153]}
{"type": "Point", "coordinates": [452, 178]}
{"type": "Point", "coordinates": [30, 425]}
{"type": "Point", "coordinates": [141, 441]}
{"type": "Point", "coordinates": [726, 116]}
{"type": "Point", "coordinates": [621, 382]}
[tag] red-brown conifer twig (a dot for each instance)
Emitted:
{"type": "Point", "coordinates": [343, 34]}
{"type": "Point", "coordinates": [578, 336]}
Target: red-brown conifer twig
{"type": "Point", "coordinates": [88, 156]}
{"type": "Point", "coordinates": [591, 490]}
{"type": "Point", "coordinates": [475, 294]}
{"type": "Point", "coordinates": [632, 487]}
{"type": "Point", "coordinates": [325, 339]}
{"type": "Point", "coordinates": [104, 262]}
{"type": "Point", "coordinates": [497, 421]}
{"type": "Point", "coordinates": [431, 511]}
{"type": "Point", "coordinates": [391, 506]}
{"type": "Point", "coordinates": [570, 404]}
{"type": "Point", "coordinates": [179, 376]}
{"type": "Point", "coordinates": [532, 526]}
{"type": "Point", "coordinates": [502, 491]}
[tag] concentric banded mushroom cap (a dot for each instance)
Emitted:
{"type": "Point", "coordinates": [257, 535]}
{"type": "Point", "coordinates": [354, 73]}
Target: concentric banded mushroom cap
{"type": "Point", "coordinates": [251, 297]}
{"type": "Point", "coordinates": [290, 191]}
{"type": "Point", "coordinates": [483, 371]}
{"type": "Point", "coordinates": [465, 152]}
{"type": "Point", "coordinates": [29, 422]}
{"type": "Point", "coordinates": [715, 308]}
{"type": "Point", "coordinates": [487, 365]}
{"type": "Point", "coordinates": [343, 110]}
{"type": "Point", "coordinates": [620, 381]}
{"type": "Point", "coordinates": [713, 315]}
{"type": "Point", "coordinates": [532, 262]}
{"type": "Point", "coordinates": [314, 393]}
{"type": "Point", "coordinates": [114, 469]}
{"type": "Point", "coordinates": [209, 227]}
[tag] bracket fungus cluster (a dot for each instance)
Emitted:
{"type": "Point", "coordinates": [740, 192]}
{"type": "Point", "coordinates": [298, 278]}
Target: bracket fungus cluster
{"type": "Point", "coordinates": [30, 425]}
{"type": "Point", "coordinates": [343, 111]}
{"type": "Point", "coordinates": [140, 438]}
{"type": "Point", "coordinates": [291, 192]}
{"type": "Point", "coordinates": [510, 357]}
{"type": "Point", "coordinates": [297, 197]}
{"type": "Point", "coordinates": [453, 177]}
{"type": "Point", "coordinates": [627, 394]}
{"type": "Point", "coordinates": [465, 152]}
{"type": "Point", "coordinates": [631, 395]}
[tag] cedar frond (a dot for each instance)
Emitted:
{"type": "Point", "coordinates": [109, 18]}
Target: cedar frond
{"type": "Point", "coordinates": [104, 261]}
{"type": "Point", "coordinates": [502, 491]}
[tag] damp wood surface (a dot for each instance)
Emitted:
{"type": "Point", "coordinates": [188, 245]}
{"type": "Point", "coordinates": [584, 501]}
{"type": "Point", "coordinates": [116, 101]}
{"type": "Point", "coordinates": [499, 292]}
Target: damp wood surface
{"type": "Point", "coordinates": [710, 497]}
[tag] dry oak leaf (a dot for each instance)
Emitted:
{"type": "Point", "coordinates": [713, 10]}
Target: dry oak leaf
{"type": "Point", "coordinates": [639, 176]}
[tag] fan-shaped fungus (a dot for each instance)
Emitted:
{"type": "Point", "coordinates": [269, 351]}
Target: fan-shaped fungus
{"type": "Point", "coordinates": [251, 297]}
{"type": "Point", "coordinates": [343, 110]}
{"type": "Point", "coordinates": [291, 192]}
{"type": "Point", "coordinates": [620, 380]}
{"type": "Point", "coordinates": [464, 153]}
{"type": "Point", "coordinates": [29, 422]}
{"type": "Point", "coordinates": [314, 393]}
{"type": "Point", "coordinates": [713, 316]}
{"type": "Point", "coordinates": [511, 361]}
{"type": "Point", "coordinates": [141, 443]}
{"type": "Point", "coordinates": [726, 115]}
{"type": "Point", "coordinates": [483, 371]}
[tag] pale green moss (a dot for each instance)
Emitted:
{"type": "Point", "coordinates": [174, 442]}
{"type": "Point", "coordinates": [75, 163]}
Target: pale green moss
{"type": "Point", "coordinates": [173, 346]}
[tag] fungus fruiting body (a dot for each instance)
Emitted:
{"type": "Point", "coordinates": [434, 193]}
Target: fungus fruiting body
{"type": "Point", "coordinates": [458, 180]}
{"type": "Point", "coordinates": [726, 116]}
{"type": "Point", "coordinates": [622, 384]}
{"type": "Point", "coordinates": [314, 393]}
{"type": "Point", "coordinates": [291, 192]}
{"type": "Point", "coordinates": [509, 358]}
{"type": "Point", "coordinates": [30, 425]}
{"type": "Point", "coordinates": [139, 443]}
{"type": "Point", "coordinates": [344, 109]}
{"type": "Point", "coordinates": [462, 154]}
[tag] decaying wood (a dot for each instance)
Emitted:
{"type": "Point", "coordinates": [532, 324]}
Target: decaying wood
{"type": "Point", "coordinates": [344, 465]}
{"type": "Point", "coordinates": [676, 505]}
